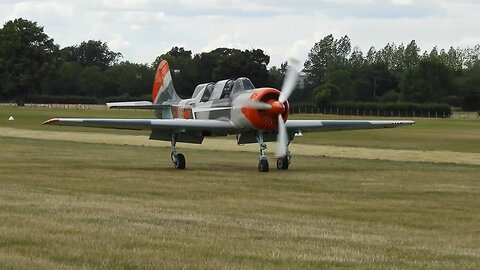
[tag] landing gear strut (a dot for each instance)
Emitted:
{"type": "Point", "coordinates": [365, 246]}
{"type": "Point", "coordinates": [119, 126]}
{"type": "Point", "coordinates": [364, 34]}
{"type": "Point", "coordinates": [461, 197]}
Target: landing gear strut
{"type": "Point", "coordinates": [263, 162]}
{"type": "Point", "coordinates": [178, 159]}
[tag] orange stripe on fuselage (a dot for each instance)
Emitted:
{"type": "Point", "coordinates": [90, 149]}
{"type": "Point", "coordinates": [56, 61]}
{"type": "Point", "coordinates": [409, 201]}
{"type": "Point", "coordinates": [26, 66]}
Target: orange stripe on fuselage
{"type": "Point", "coordinates": [187, 113]}
{"type": "Point", "coordinates": [180, 112]}
{"type": "Point", "coordinates": [162, 71]}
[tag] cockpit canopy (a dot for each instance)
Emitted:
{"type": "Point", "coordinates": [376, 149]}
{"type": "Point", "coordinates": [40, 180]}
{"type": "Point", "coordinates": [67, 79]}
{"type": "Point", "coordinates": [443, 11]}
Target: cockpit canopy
{"type": "Point", "coordinates": [223, 89]}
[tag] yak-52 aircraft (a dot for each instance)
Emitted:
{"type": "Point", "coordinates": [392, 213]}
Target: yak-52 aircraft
{"type": "Point", "coordinates": [255, 115]}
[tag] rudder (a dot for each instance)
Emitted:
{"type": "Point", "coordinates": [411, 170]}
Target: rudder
{"type": "Point", "coordinates": [163, 91]}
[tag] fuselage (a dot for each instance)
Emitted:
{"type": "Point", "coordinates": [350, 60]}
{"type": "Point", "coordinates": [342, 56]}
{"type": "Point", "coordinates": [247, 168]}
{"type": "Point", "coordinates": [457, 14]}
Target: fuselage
{"type": "Point", "coordinates": [236, 101]}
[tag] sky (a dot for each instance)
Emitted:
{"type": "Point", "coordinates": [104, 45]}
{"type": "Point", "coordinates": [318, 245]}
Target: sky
{"type": "Point", "coordinates": [143, 29]}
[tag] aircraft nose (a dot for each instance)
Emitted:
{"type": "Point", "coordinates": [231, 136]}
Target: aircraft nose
{"type": "Point", "coordinates": [277, 108]}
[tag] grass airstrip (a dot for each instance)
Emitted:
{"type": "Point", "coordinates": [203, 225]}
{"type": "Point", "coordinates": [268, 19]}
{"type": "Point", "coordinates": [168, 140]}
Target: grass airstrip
{"type": "Point", "coordinates": [79, 198]}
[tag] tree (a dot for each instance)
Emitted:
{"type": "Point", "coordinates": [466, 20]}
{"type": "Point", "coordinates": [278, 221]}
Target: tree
{"type": "Point", "coordinates": [249, 63]}
{"type": "Point", "coordinates": [27, 56]}
{"type": "Point", "coordinates": [471, 56]}
{"type": "Point", "coordinates": [327, 55]}
{"type": "Point", "coordinates": [429, 82]}
{"type": "Point", "coordinates": [411, 55]}
{"type": "Point", "coordinates": [92, 81]}
{"type": "Point", "coordinates": [469, 85]}
{"type": "Point", "coordinates": [128, 78]}
{"type": "Point", "coordinates": [337, 87]}
{"type": "Point", "coordinates": [91, 53]}
{"type": "Point", "coordinates": [68, 79]}
{"type": "Point", "coordinates": [453, 59]}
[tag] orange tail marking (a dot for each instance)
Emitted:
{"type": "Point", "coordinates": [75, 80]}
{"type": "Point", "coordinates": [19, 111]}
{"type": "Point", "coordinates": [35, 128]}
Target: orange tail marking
{"type": "Point", "coordinates": [162, 71]}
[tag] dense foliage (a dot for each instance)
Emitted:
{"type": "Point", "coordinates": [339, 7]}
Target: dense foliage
{"type": "Point", "coordinates": [34, 68]}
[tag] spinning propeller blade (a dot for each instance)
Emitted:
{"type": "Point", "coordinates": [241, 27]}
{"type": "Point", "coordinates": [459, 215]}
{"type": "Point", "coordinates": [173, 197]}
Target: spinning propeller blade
{"type": "Point", "coordinates": [282, 138]}
{"type": "Point", "coordinates": [290, 80]}
{"type": "Point", "coordinates": [288, 87]}
{"type": "Point", "coordinates": [258, 105]}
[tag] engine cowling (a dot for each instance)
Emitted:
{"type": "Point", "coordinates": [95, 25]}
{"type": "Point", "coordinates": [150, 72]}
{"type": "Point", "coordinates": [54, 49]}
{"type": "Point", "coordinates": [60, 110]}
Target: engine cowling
{"type": "Point", "coordinates": [266, 119]}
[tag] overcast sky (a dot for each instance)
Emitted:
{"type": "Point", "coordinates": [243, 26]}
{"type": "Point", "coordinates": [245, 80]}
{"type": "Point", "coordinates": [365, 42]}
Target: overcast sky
{"type": "Point", "coordinates": [144, 29]}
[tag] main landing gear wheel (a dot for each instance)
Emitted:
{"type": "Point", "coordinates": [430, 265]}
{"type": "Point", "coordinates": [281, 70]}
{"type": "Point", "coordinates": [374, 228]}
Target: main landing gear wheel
{"type": "Point", "coordinates": [282, 163]}
{"type": "Point", "coordinates": [263, 165]}
{"type": "Point", "coordinates": [179, 161]}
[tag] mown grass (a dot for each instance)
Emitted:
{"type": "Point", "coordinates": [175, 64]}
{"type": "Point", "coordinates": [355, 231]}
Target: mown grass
{"type": "Point", "coordinates": [78, 205]}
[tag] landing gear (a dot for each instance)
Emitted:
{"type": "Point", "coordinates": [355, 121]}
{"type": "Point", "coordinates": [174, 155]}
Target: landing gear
{"type": "Point", "coordinates": [263, 163]}
{"type": "Point", "coordinates": [283, 162]}
{"type": "Point", "coordinates": [178, 159]}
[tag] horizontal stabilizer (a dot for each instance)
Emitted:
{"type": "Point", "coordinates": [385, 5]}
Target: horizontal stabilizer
{"type": "Point", "coordinates": [136, 105]}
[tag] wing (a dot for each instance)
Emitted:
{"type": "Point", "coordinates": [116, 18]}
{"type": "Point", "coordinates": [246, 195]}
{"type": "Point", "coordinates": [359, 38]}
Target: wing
{"type": "Point", "coordinates": [181, 125]}
{"type": "Point", "coordinates": [294, 126]}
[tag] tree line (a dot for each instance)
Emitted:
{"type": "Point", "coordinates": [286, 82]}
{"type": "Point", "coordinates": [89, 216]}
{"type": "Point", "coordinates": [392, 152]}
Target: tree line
{"type": "Point", "coordinates": [33, 67]}
{"type": "Point", "coordinates": [396, 73]}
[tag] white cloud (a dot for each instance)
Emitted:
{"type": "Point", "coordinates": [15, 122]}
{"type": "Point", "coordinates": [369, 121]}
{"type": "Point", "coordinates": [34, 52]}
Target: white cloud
{"type": "Point", "coordinates": [118, 43]}
{"type": "Point", "coordinates": [402, 2]}
{"type": "Point", "coordinates": [42, 9]}
{"type": "Point", "coordinates": [144, 29]}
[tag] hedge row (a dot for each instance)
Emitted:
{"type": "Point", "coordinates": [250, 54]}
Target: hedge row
{"type": "Point", "coordinates": [45, 99]}
{"type": "Point", "coordinates": [61, 100]}
{"type": "Point", "coordinates": [380, 109]}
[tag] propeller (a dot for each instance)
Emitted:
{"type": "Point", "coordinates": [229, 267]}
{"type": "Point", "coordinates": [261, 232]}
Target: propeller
{"type": "Point", "coordinates": [253, 104]}
{"type": "Point", "coordinates": [288, 87]}
{"type": "Point", "coordinates": [282, 138]}
{"type": "Point", "coordinates": [290, 81]}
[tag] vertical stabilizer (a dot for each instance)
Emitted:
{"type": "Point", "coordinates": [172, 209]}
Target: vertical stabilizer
{"type": "Point", "coordinates": [163, 91]}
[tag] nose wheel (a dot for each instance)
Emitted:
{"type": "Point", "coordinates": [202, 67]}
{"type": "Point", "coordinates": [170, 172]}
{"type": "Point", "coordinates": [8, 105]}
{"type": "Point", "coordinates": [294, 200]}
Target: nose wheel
{"type": "Point", "coordinates": [283, 162]}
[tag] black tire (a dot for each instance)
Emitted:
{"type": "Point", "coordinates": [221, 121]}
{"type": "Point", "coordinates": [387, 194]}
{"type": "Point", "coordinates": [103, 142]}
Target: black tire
{"type": "Point", "coordinates": [263, 165]}
{"type": "Point", "coordinates": [180, 162]}
{"type": "Point", "coordinates": [282, 163]}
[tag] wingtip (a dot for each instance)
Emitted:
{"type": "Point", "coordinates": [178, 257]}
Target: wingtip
{"type": "Point", "coordinates": [52, 121]}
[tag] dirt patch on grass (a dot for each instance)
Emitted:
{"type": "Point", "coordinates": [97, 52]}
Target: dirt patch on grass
{"type": "Point", "coordinates": [230, 145]}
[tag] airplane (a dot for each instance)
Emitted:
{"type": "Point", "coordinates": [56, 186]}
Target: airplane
{"type": "Point", "coordinates": [227, 107]}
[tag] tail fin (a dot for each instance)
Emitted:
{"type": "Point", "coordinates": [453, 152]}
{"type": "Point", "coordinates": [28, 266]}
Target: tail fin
{"type": "Point", "coordinates": [163, 91]}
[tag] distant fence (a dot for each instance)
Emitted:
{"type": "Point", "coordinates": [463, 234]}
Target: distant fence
{"type": "Point", "coordinates": [61, 106]}
{"type": "Point", "coordinates": [383, 113]}
{"type": "Point", "coordinates": [369, 112]}
{"type": "Point", "coordinates": [299, 110]}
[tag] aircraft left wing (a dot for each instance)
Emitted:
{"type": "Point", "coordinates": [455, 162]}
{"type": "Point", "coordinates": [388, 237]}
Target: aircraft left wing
{"type": "Point", "coordinates": [147, 124]}
{"type": "Point", "coordinates": [295, 126]}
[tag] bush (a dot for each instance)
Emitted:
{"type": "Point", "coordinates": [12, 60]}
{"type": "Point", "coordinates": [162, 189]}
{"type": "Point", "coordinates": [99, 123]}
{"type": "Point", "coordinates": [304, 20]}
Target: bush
{"type": "Point", "coordinates": [392, 109]}
{"type": "Point", "coordinates": [453, 101]}
{"type": "Point", "coordinates": [390, 97]}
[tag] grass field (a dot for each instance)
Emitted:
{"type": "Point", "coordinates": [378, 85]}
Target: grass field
{"type": "Point", "coordinates": [75, 205]}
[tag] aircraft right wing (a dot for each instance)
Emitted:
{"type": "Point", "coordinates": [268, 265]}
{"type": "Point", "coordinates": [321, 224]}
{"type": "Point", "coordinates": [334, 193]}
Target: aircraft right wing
{"type": "Point", "coordinates": [147, 124]}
